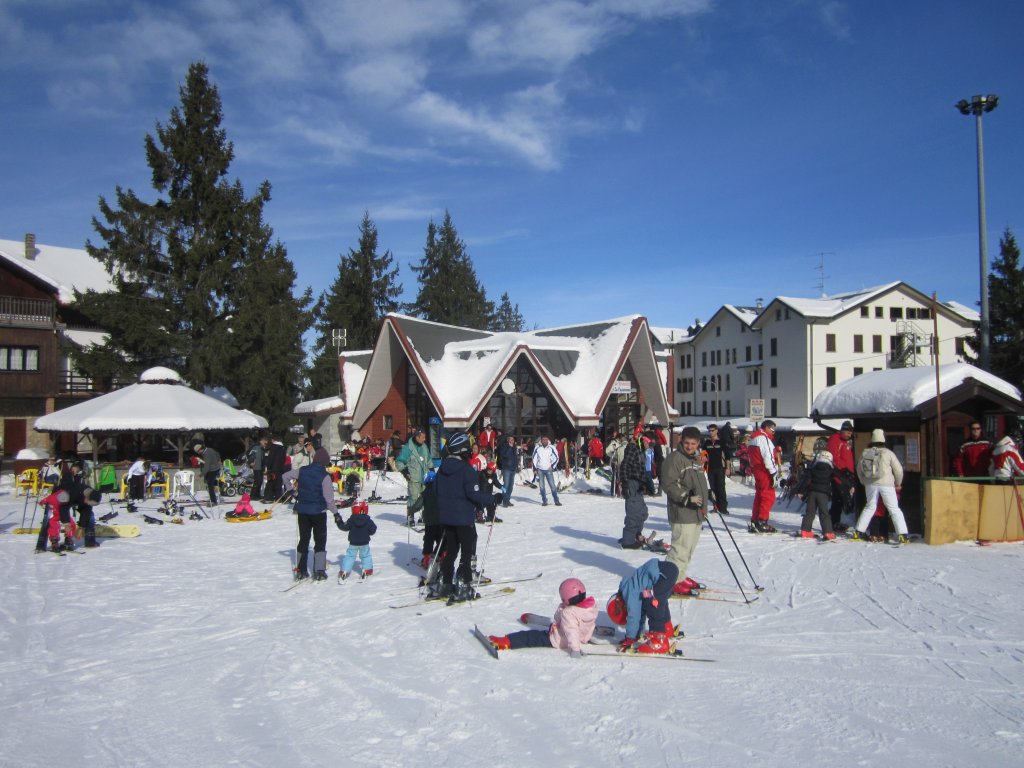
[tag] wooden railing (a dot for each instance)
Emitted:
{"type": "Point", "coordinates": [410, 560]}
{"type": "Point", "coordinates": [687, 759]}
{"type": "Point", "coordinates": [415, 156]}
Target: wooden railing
{"type": "Point", "coordinates": [22, 312]}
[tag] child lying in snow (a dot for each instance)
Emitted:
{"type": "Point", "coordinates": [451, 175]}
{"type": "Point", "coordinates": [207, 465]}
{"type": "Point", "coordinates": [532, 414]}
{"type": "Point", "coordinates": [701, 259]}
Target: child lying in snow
{"type": "Point", "coordinates": [572, 627]}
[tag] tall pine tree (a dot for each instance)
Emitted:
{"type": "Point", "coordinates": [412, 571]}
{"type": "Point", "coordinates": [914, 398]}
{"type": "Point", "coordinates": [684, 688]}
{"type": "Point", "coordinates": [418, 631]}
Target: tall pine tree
{"type": "Point", "coordinates": [199, 285]}
{"type": "Point", "coordinates": [449, 290]}
{"type": "Point", "coordinates": [365, 290]}
{"type": "Point", "coordinates": [508, 317]}
{"type": "Point", "coordinates": [1006, 312]}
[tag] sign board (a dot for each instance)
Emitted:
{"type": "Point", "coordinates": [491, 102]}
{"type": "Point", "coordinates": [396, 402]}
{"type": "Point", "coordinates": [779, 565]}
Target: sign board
{"type": "Point", "coordinates": [756, 410]}
{"type": "Point", "coordinates": [621, 387]}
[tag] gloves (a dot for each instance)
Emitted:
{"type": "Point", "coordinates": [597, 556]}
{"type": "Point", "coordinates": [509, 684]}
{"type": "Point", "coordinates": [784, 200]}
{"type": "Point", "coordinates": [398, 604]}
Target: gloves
{"type": "Point", "coordinates": [647, 593]}
{"type": "Point", "coordinates": [625, 645]}
{"type": "Point", "coordinates": [776, 480]}
{"type": "Point", "coordinates": [576, 654]}
{"type": "Point", "coordinates": [339, 521]}
{"type": "Point", "coordinates": [696, 501]}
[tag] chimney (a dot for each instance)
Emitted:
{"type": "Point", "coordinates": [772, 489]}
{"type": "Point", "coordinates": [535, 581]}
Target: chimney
{"type": "Point", "coordinates": [760, 304]}
{"type": "Point", "coordinates": [30, 247]}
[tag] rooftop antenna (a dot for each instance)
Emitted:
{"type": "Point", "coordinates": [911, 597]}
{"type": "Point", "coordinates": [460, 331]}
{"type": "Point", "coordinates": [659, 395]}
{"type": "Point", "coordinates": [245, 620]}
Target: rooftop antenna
{"type": "Point", "coordinates": [339, 337]}
{"type": "Point", "coordinates": [822, 277]}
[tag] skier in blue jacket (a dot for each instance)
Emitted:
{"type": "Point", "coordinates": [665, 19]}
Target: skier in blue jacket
{"type": "Point", "coordinates": [645, 593]}
{"type": "Point", "coordinates": [459, 496]}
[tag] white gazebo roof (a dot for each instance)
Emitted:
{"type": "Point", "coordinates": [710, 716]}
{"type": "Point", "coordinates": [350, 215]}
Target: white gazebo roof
{"type": "Point", "coordinates": [160, 402]}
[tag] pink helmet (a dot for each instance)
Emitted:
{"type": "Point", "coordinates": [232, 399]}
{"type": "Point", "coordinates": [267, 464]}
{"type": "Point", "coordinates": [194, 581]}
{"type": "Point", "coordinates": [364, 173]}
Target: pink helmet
{"type": "Point", "coordinates": [572, 591]}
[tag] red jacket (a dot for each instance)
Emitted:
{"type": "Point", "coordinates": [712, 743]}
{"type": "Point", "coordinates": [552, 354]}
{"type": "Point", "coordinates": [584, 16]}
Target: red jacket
{"type": "Point", "coordinates": [595, 448]}
{"type": "Point", "coordinates": [842, 456]}
{"type": "Point", "coordinates": [487, 438]}
{"type": "Point", "coordinates": [972, 459]}
{"type": "Point", "coordinates": [762, 453]}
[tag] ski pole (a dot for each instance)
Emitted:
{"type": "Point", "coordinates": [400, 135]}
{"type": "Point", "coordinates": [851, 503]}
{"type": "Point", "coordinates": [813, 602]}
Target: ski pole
{"type": "Point", "coordinates": [24, 510]}
{"type": "Point", "coordinates": [733, 572]}
{"type": "Point", "coordinates": [483, 558]}
{"type": "Point", "coordinates": [737, 546]}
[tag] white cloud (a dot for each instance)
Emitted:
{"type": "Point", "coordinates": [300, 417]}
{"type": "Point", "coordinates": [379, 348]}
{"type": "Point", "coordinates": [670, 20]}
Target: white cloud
{"type": "Point", "coordinates": [835, 16]}
{"type": "Point", "coordinates": [515, 132]}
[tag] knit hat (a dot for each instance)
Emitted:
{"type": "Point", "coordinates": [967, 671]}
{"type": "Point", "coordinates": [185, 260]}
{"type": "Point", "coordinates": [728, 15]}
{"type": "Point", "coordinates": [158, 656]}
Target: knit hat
{"type": "Point", "coordinates": [322, 457]}
{"type": "Point", "coordinates": [877, 436]}
{"type": "Point", "coordinates": [847, 426]}
{"type": "Point", "coordinates": [825, 456]}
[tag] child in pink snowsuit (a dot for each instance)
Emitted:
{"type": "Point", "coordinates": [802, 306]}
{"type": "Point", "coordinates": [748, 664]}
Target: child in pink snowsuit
{"type": "Point", "coordinates": [572, 627]}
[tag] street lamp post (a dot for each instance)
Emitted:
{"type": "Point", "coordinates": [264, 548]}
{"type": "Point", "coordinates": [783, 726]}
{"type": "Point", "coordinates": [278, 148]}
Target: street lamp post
{"type": "Point", "coordinates": [977, 106]}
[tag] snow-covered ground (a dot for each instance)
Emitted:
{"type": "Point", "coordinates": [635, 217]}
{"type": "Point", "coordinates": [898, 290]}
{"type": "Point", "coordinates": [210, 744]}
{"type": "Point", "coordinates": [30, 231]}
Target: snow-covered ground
{"type": "Point", "coordinates": [179, 648]}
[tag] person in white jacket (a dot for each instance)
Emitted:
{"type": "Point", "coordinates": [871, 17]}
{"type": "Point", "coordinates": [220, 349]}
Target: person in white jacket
{"type": "Point", "coordinates": [882, 476]}
{"type": "Point", "coordinates": [1006, 462]}
{"type": "Point", "coordinates": [545, 460]}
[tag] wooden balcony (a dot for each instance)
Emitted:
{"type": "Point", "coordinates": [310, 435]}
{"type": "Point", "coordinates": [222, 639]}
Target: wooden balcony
{"type": "Point", "coordinates": [18, 312]}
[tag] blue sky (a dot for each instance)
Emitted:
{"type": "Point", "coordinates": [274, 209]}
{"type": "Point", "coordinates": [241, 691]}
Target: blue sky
{"type": "Point", "coordinates": [598, 158]}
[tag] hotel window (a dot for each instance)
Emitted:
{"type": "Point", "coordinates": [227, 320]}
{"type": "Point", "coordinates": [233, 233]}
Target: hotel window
{"type": "Point", "coordinates": [876, 344]}
{"type": "Point", "coordinates": [830, 376]}
{"type": "Point", "coordinates": [830, 342]}
{"type": "Point", "coordinates": [865, 311]}
{"type": "Point", "coordinates": [19, 358]}
{"type": "Point", "coordinates": [858, 343]}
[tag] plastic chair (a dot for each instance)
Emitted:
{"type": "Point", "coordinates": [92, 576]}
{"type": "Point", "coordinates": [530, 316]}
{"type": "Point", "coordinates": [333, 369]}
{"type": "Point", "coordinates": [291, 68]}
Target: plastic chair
{"type": "Point", "coordinates": [184, 479]}
{"type": "Point", "coordinates": [29, 480]}
{"type": "Point", "coordinates": [160, 481]}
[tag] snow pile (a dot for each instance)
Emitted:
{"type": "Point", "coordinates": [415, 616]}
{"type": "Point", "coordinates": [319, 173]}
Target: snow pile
{"type": "Point", "coordinates": [179, 648]}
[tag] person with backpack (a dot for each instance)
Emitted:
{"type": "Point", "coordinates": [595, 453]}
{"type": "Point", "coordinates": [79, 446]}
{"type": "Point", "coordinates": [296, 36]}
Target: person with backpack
{"type": "Point", "coordinates": [818, 492]}
{"type": "Point", "coordinates": [882, 475]}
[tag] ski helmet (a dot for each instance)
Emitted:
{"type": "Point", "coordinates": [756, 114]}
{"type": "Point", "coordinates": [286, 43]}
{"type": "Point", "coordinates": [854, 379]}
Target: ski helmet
{"type": "Point", "coordinates": [458, 444]}
{"type": "Point", "coordinates": [360, 508]}
{"type": "Point", "coordinates": [617, 609]}
{"type": "Point", "coordinates": [572, 592]}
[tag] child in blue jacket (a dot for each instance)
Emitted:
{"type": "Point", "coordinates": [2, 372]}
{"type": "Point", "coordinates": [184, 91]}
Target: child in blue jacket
{"type": "Point", "coordinates": [360, 528]}
{"type": "Point", "coordinates": [645, 593]}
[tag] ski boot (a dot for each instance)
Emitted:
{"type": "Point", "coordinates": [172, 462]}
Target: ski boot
{"type": "Point", "coordinates": [806, 534]}
{"type": "Point", "coordinates": [299, 575]}
{"type": "Point", "coordinates": [673, 631]}
{"type": "Point", "coordinates": [195, 516]}
{"type": "Point", "coordinates": [320, 576]}
{"type": "Point", "coordinates": [342, 575]}
{"type": "Point", "coordinates": [69, 544]}
{"type": "Point", "coordinates": [656, 643]}
{"type": "Point", "coordinates": [462, 592]}
{"type": "Point", "coordinates": [499, 642]}
{"type": "Point", "coordinates": [902, 539]}
{"type": "Point", "coordinates": [55, 544]}
{"type": "Point", "coordinates": [858, 536]}
{"type": "Point", "coordinates": [682, 588]}
{"type": "Point", "coordinates": [828, 536]}
{"type": "Point", "coordinates": [425, 562]}
{"type": "Point", "coordinates": [438, 590]}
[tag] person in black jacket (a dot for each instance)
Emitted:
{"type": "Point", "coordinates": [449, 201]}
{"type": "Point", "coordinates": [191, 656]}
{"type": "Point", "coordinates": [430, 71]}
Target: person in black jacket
{"type": "Point", "coordinates": [818, 495]}
{"type": "Point", "coordinates": [490, 483]}
{"type": "Point", "coordinates": [631, 475]}
{"type": "Point", "coordinates": [459, 496]}
{"type": "Point", "coordinates": [714, 448]}
{"type": "Point", "coordinates": [274, 469]}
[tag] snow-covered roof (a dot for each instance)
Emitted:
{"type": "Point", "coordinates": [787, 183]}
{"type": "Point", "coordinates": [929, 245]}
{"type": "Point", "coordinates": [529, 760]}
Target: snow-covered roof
{"type": "Point", "coordinates": [157, 403]}
{"type": "Point", "coordinates": [86, 338]}
{"type": "Point", "coordinates": [902, 390]}
{"type": "Point", "coordinates": [669, 336]}
{"type": "Point", "coordinates": [65, 269]}
{"type": "Point", "coordinates": [838, 303]}
{"type": "Point", "coordinates": [323, 405]}
{"type": "Point", "coordinates": [830, 306]}
{"type": "Point", "coordinates": [962, 309]}
{"type": "Point", "coordinates": [462, 367]}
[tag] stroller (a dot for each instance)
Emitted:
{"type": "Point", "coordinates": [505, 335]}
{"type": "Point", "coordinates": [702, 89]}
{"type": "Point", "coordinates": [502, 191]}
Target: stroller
{"type": "Point", "coordinates": [235, 480]}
